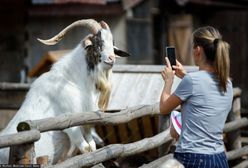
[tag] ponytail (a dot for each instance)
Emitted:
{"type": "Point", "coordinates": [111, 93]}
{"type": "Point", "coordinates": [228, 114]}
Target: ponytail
{"type": "Point", "coordinates": [216, 51]}
{"type": "Point", "coordinates": [222, 63]}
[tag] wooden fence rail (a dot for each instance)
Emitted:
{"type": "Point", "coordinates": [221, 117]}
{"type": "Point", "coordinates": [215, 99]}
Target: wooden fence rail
{"type": "Point", "coordinates": [236, 124]}
{"type": "Point", "coordinates": [30, 132]}
{"type": "Point", "coordinates": [114, 151]}
{"type": "Point", "coordinates": [19, 138]}
{"type": "Point", "coordinates": [243, 164]}
{"type": "Point", "coordinates": [237, 153]}
{"type": "Point", "coordinates": [98, 117]}
{"type": "Point", "coordinates": [62, 122]}
{"type": "Point", "coordinates": [158, 162]}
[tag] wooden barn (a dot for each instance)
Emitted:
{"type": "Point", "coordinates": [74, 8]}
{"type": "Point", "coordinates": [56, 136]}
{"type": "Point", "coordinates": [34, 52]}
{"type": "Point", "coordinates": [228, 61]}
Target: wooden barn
{"type": "Point", "coordinates": [143, 28]}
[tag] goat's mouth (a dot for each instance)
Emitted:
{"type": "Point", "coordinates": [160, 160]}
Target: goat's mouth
{"type": "Point", "coordinates": [109, 63]}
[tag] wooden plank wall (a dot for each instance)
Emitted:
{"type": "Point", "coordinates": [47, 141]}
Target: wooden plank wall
{"type": "Point", "coordinates": [12, 39]}
{"type": "Point", "coordinates": [139, 34]}
{"type": "Point", "coordinates": [179, 35]}
{"type": "Point", "coordinates": [132, 131]}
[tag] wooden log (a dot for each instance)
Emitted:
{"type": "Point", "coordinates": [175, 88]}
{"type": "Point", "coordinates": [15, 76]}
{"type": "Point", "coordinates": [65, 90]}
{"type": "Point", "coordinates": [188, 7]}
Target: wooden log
{"type": "Point", "coordinates": [22, 154]}
{"type": "Point", "coordinates": [114, 151]}
{"type": "Point", "coordinates": [14, 86]}
{"type": "Point", "coordinates": [42, 160]}
{"type": "Point", "coordinates": [236, 124]}
{"type": "Point", "coordinates": [243, 164]}
{"type": "Point", "coordinates": [98, 166]}
{"type": "Point", "coordinates": [237, 153]}
{"type": "Point", "coordinates": [164, 124]}
{"type": "Point", "coordinates": [19, 138]}
{"type": "Point", "coordinates": [85, 118]}
{"type": "Point", "coordinates": [158, 162]}
{"type": "Point", "coordinates": [234, 137]}
{"type": "Point", "coordinates": [237, 92]}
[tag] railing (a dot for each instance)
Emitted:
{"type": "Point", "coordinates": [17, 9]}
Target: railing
{"type": "Point", "coordinates": [22, 143]}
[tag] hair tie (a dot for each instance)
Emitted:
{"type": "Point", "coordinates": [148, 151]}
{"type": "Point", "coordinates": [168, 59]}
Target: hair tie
{"type": "Point", "coordinates": [216, 41]}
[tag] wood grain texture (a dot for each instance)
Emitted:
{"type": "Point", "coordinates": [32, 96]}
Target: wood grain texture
{"type": "Point", "coordinates": [98, 117]}
{"type": "Point", "coordinates": [114, 151]}
{"type": "Point", "coordinates": [19, 138]}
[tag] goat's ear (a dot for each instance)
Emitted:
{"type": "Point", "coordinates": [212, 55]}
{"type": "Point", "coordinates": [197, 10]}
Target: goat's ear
{"type": "Point", "coordinates": [120, 53]}
{"type": "Point", "coordinates": [87, 42]}
{"type": "Point", "coordinates": [104, 25]}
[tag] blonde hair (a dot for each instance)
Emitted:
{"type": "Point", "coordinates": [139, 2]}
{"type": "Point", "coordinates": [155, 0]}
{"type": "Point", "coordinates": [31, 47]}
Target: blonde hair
{"type": "Point", "coordinates": [216, 51]}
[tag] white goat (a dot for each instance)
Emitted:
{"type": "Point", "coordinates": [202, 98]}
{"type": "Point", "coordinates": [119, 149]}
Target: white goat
{"type": "Point", "coordinates": [79, 82]}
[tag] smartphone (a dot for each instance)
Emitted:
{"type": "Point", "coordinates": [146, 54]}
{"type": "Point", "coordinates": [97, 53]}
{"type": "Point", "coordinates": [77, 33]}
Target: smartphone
{"type": "Point", "coordinates": [171, 54]}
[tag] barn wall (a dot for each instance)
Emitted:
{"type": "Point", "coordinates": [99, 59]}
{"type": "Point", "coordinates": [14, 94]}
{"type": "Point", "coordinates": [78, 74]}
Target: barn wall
{"type": "Point", "coordinates": [139, 34]}
{"type": "Point", "coordinates": [12, 39]}
{"type": "Point", "coordinates": [233, 25]}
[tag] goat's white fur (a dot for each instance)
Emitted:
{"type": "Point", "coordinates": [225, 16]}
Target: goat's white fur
{"type": "Point", "coordinates": [67, 88]}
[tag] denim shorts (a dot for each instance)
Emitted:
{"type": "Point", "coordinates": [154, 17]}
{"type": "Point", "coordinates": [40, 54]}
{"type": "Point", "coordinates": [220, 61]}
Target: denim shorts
{"type": "Point", "coordinates": [195, 160]}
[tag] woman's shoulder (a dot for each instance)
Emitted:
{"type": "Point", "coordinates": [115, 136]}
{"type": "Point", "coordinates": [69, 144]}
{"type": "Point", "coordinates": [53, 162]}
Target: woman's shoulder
{"type": "Point", "coordinates": [230, 85]}
{"type": "Point", "coordinates": [200, 75]}
{"type": "Point", "coordinates": [229, 82]}
{"type": "Point", "coordinates": [194, 75]}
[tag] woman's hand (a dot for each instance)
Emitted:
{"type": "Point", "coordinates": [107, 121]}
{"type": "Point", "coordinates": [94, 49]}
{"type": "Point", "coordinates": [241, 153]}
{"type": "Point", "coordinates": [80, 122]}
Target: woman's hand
{"type": "Point", "coordinates": [167, 73]}
{"type": "Point", "coordinates": [179, 70]}
{"type": "Point", "coordinates": [166, 106]}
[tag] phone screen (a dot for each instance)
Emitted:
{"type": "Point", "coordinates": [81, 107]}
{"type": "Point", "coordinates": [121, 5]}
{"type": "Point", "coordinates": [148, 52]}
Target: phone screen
{"type": "Point", "coordinates": [171, 54]}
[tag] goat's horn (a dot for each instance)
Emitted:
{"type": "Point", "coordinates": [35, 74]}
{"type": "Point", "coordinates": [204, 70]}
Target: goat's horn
{"type": "Point", "coordinates": [104, 25]}
{"type": "Point", "coordinates": [91, 24]}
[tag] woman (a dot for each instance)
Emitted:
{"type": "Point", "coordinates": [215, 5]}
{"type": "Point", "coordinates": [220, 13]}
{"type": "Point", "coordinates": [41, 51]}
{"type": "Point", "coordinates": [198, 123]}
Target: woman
{"type": "Point", "coordinates": [206, 99]}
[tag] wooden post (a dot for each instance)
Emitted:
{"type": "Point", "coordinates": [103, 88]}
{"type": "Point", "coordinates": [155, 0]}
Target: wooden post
{"type": "Point", "coordinates": [19, 138]}
{"type": "Point", "coordinates": [22, 154]}
{"type": "Point", "coordinates": [237, 153]}
{"type": "Point", "coordinates": [164, 124]}
{"type": "Point", "coordinates": [234, 138]}
{"type": "Point", "coordinates": [114, 151]}
{"type": "Point", "coordinates": [243, 164]}
{"type": "Point", "coordinates": [235, 125]}
{"type": "Point", "coordinates": [85, 118]}
{"type": "Point", "coordinates": [158, 162]}
{"type": "Point", "coordinates": [42, 160]}
{"type": "Point", "coordinates": [21, 146]}
{"type": "Point", "coordinates": [98, 166]}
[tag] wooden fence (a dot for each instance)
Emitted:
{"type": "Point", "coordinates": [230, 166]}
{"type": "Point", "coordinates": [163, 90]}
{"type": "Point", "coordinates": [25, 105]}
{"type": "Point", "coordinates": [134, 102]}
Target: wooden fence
{"type": "Point", "coordinates": [22, 143]}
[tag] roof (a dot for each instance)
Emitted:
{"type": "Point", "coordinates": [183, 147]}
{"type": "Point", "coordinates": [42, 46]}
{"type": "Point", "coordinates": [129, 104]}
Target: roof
{"type": "Point", "coordinates": [46, 61]}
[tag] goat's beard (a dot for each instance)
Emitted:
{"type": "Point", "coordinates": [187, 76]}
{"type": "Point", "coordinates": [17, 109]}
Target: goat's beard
{"type": "Point", "coordinates": [104, 86]}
